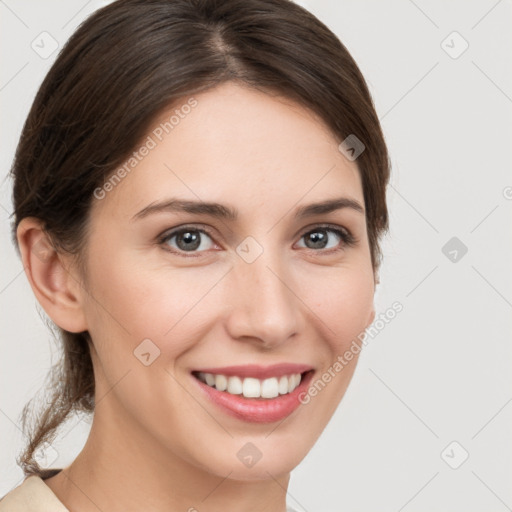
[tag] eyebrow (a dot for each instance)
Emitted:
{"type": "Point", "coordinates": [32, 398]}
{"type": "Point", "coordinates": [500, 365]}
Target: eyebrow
{"type": "Point", "coordinates": [227, 213]}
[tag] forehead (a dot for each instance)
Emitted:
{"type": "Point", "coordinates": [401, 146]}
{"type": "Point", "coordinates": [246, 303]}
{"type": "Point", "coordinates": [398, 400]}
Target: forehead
{"type": "Point", "coordinates": [238, 145]}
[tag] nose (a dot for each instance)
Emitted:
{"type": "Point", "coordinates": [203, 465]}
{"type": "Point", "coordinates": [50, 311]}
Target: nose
{"type": "Point", "coordinates": [265, 310]}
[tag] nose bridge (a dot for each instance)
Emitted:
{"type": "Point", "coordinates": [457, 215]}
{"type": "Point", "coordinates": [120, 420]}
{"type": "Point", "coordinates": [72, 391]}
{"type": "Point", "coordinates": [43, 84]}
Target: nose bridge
{"type": "Point", "coordinates": [264, 305]}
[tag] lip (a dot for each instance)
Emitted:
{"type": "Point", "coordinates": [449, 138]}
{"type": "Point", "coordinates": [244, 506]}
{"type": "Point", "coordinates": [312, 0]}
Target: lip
{"type": "Point", "coordinates": [256, 410]}
{"type": "Point", "coordinates": [257, 371]}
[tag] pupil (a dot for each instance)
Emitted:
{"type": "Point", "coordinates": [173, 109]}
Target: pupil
{"type": "Point", "coordinates": [191, 240]}
{"type": "Point", "coordinates": [318, 238]}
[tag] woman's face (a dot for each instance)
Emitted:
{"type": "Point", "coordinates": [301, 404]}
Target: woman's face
{"type": "Point", "coordinates": [265, 286]}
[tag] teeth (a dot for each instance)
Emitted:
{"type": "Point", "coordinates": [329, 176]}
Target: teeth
{"type": "Point", "coordinates": [283, 385]}
{"type": "Point", "coordinates": [296, 382]}
{"type": "Point", "coordinates": [221, 383]}
{"type": "Point", "coordinates": [235, 385]}
{"type": "Point", "coordinates": [270, 388]}
{"type": "Point", "coordinates": [251, 387]}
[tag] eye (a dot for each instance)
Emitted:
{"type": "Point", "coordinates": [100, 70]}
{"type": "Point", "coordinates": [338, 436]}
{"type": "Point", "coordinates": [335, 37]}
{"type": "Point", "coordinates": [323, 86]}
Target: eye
{"type": "Point", "coordinates": [194, 240]}
{"type": "Point", "coordinates": [321, 238]}
{"type": "Point", "coordinates": [187, 239]}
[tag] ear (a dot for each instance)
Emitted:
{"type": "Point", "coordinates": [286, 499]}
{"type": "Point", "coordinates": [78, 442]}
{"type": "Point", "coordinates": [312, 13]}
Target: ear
{"type": "Point", "coordinates": [56, 288]}
{"type": "Point", "coordinates": [376, 280]}
{"type": "Point", "coordinates": [372, 317]}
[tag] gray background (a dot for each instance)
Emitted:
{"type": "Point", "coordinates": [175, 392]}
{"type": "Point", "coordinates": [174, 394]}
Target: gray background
{"type": "Point", "coordinates": [440, 371]}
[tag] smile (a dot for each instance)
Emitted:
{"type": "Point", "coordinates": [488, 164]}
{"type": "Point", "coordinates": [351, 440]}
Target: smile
{"type": "Point", "coordinates": [253, 393]}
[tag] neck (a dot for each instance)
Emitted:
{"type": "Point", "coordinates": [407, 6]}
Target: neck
{"type": "Point", "coordinates": [120, 468]}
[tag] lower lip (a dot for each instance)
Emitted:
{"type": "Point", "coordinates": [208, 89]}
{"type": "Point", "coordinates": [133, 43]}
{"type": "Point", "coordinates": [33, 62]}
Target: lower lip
{"type": "Point", "coordinates": [256, 410]}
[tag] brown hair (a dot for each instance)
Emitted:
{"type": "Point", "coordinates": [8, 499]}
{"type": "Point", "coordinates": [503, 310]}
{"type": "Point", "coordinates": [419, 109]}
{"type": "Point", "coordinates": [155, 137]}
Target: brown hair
{"type": "Point", "coordinates": [121, 68]}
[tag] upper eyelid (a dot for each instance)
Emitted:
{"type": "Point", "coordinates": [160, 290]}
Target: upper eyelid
{"type": "Point", "coordinates": [325, 225]}
{"type": "Point", "coordinates": [169, 233]}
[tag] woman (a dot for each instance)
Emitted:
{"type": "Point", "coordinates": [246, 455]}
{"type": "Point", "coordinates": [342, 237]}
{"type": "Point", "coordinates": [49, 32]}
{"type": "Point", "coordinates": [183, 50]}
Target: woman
{"type": "Point", "coordinates": [199, 194]}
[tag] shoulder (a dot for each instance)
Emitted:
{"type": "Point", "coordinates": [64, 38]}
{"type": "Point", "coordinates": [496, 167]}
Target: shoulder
{"type": "Point", "coordinates": [32, 495]}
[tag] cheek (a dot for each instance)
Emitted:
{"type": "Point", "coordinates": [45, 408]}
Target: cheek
{"type": "Point", "coordinates": [134, 312]}
{"type": "Point", "coordinates": [133, 302]}
{"type": "Point", "coordinates": [342, 299]}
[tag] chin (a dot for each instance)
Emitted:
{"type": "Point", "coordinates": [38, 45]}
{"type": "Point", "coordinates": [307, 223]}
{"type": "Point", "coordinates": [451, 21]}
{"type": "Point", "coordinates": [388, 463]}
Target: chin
{"type": "Point", "coordinates": [269, 461]}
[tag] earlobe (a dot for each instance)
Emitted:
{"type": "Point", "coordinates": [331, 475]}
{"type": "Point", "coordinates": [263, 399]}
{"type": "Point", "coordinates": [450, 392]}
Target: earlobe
{"type": "Point", "coordinates": [55, 287]}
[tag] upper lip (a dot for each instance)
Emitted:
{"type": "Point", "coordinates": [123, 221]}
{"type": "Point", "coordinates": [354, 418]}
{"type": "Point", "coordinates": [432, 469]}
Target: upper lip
{"type": "Point", "coordinates": [258, 372]}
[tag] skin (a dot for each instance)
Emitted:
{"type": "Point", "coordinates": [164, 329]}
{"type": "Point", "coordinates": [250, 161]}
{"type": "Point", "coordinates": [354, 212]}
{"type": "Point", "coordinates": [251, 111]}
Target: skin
{"type": "Point", "coordinates": [156, 442]}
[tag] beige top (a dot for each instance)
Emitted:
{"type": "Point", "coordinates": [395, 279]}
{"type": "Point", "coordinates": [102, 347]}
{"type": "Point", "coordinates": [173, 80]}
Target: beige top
{"type": "Point", "coordinates": [32, 495]}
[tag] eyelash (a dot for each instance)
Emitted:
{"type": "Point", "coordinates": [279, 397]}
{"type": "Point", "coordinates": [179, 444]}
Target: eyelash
{"type": "Point", "coordinates": [348, 240]}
